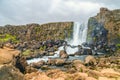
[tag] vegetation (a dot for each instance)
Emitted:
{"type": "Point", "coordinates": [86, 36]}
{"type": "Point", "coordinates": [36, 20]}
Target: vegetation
{"type": "Point", "coordinates": [7, 37]}
{"type": "Point", "coordinates": [26, 52]}
{"type": "Point", "coordinates": [42, 48]}
{"type": "Point", "coordinates": [118, 46]}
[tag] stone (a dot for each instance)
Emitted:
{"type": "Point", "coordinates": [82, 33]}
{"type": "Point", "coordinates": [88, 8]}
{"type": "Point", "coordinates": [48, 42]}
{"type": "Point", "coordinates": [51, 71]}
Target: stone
{"type": "Point", "coordinates": [105, 78]}
{"type": "Point", "coordinates": [94, 73]}
{"type": "Point", "coordinates": [78, 65]}
{"type": "Point", "coordinates": [9, 72]}
{"type": "Point", "coordinates": [38, 64]}
{"type": "Point", "coordinates": [51, 61]}
{"type": "Point", "coordinates": [59, 62]}
{"type": "Point", "coordinates": [8, 55]}
{"type": "Point", "coordinates": [90, 60]}
{"type": "Point", "coordinates": [63, 54]}
{"type": "Point", "coordinates": [110, 73]}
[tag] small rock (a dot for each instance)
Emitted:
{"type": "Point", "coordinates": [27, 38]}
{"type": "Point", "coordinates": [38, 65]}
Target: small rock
{"type": "Point", "coordinates": [90, 60]}
{"type": "Point", "coordinates": [63, 54]}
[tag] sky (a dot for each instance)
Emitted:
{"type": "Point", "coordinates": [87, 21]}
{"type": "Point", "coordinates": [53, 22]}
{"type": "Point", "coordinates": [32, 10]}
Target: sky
{"type": "Point", "coordinates": [18, 12]}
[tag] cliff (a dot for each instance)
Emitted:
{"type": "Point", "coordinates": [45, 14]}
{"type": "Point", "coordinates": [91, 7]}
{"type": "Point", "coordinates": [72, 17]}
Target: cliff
{"type": "Point", "coordinates": [106, 24]}
{"type": "Point", "coordinates": [35, 32]}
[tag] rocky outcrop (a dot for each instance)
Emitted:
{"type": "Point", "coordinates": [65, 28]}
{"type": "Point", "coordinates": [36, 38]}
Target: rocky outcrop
{"type": "Point", "coordinates": [9, 72]}
{"type": "Point", "coordinates": [42, 32]}
{"type": "Point", "coordinates": [104, 26]}
{"type": "Point", "coordinates": [8, 55]}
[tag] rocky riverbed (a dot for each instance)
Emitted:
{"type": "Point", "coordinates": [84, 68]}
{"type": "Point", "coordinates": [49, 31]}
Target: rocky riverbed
{"type": "Point", "coordinates": [15, 67]}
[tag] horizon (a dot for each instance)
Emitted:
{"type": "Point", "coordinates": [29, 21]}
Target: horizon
{"type": "Point", "coordinates": [48, 11]}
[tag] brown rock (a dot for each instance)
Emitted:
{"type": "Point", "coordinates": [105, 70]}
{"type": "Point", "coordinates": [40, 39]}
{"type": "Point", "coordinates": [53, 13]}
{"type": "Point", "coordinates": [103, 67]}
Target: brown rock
{"type": "Point", "coordinates": [90, 60]}
{"type": "Point", "coordinates": [7, 55]}
{"type": "Point", "coordinates": [9, 72]}
{"type": "Point", "coordinates": [63, 54]}
{"type": "Point", "coordinates": [95, 74]}
{"type": "Point", "coordinates": [30, 69]}
{"type": "Point", "coordinates": [38, 64]}
{"type": "Point", "coordinates": [51, 61]}
{"type": "Point", "coordinates": [78, 65]}
{"type": "Point", "coordinates": [110, 73]}
{"type": "Point", "coordinates": [59, 62]}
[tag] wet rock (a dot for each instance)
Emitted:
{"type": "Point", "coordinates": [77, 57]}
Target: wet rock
{"type": "Point", "coordinates": [59, 62]}
{"type": "Point", "coordinates": [9, 72]}
{"type": "Point", "coordinates": [51, 61]}
{"type": "Point", "coordinates": [63, 54]}
{"type": "Point", "coordinates": [38, 64]}
{"type": "Point", "coordinates": [45, 67]}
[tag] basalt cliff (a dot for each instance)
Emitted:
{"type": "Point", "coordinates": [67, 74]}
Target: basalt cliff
{"type": "Point", "coordinates": [105, 26]}
{"type": "Point", "coordinates": [36, 32]}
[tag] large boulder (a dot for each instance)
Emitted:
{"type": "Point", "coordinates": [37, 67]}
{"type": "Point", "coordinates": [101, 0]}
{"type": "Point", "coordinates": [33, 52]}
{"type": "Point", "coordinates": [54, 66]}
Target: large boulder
{"type": "Point", "coordinates": [90, 61]}
{"type": "Point", "coordinates": [9, 72]}
{"type": "Point", "coordinates": [78, 65]}
{"type": "Point", "coordinates": [7, 55]}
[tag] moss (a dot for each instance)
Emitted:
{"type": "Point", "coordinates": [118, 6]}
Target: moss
{"type": "Point", "coordinates": [118, 46]}
{"type": "Point", "coordinates": [42, 48]}
{"type": "Point", "coordinates": [8, 37]}
{"type": "Point", "coordinates": [26, 52]}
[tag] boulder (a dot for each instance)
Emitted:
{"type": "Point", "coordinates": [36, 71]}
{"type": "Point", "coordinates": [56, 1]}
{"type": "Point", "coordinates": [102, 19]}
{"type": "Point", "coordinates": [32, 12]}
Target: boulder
{"type": "Point", "coordinates": [78, 65]}
{"type": "Point", "coordinates": [9, 72]}
{"type": "Point", "coordinates": [8, 45]}
{"type": "Point", "coordinates": [59, 62]}
{"type": "Point", "coordinates": [63, 54]}
{"type": "Point", "coordinates": [90, 60]}
{"type": "Point", "coordinates": [51, 61]}
{"type": "Point", "coordinates": [110, 73]}
{"type": "Point", "coordinates": [7, 55]}
{"type": "Point", "coordinates": [38, 64]}
{"type": "Point", "coordinates": [51, 53]}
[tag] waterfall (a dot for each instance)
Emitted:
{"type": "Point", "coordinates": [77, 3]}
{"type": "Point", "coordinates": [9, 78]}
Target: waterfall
{"type": "Point", "coordinates": [79, 37]}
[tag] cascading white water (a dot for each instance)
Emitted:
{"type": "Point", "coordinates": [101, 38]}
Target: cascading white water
{"type": "Point", "coordinates": [79, 36]}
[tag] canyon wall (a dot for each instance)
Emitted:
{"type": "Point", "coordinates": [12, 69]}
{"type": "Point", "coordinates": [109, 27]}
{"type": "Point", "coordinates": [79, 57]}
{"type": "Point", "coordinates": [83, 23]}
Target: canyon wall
{"type": "Point", "coordinates": [105, 24]}
{"type": "Point", "coordinates": [58, 30]}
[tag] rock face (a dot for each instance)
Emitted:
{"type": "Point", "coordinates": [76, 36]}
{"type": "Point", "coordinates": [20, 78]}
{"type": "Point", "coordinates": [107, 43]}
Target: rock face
{"type": "Point", "coordinates": [105, 26]}
{"type": "Point", "coordinates": [36, 32]}
{"type": "Point", "coordinates": [9, 72]}
{"type": "Point", "coordinates": [8, 55]}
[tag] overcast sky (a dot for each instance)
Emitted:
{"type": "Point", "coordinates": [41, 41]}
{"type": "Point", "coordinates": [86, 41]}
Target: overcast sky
{"type": "Point", "coordinates": [44, 11]}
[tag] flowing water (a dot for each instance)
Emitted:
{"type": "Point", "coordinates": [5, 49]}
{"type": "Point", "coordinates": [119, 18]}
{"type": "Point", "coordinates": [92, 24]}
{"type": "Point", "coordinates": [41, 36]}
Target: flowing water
{"type": "Point", "coordinates": [79, 37]}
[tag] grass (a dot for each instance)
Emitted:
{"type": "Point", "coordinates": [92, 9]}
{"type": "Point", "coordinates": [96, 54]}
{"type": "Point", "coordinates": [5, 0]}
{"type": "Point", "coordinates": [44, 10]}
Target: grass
{"type": "Point", "coordinates": [7, 37]}
{"type": "Point", "coordinates": [26, 52]}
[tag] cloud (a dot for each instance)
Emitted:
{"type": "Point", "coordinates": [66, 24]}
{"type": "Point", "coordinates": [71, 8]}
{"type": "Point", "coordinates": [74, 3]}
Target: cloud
{"type": "Point", "coordinates": [43, 11]}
